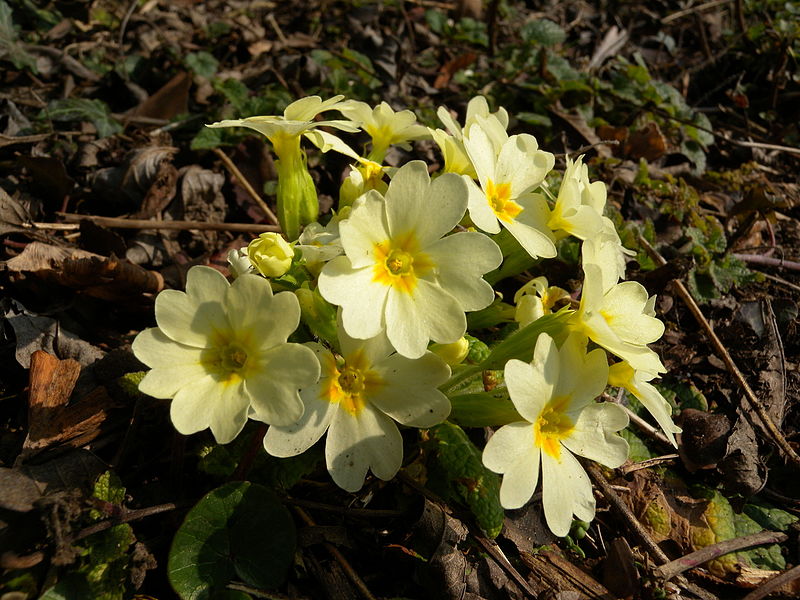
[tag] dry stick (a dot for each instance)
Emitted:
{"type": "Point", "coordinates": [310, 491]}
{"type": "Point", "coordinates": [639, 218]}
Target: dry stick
{"type": "Point", "coordinates": [348, 511]}
{"type": "Point", "coordinates": [638, 529]}
{"type": "Point", "coordinates": [687, 11]}
{"type": "Point", "coordinates": [118, 223]}
{"type": "Point", "coordinates": [650, 462]}
{"type": "Point", "coordinates": [698, 557]}
{"type": "Point", "coordinates": [774, 584]}
{"type": "Point", "coordinates": [758, 259]}
{"type": "Point", "coordinates": [339, 557]}
{"type": "Point", "coordinates": [240, 587]}
{"type": "Point", "coordinates": [716, 343]}
{"type": "Point", "coordinates": [246, 185]}
{"type": "Point", "coordinates": [497, 554]}
{"type": "Point", "coordinates": [125, 517]}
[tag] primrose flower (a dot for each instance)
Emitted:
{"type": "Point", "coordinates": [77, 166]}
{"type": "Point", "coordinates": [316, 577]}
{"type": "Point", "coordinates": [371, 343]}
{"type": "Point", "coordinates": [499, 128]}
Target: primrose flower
{"type": "Point", "coordinates": [451, 142]}
{"type": "Point", "coordinates": [620, 317]}
{"type": "Point", "coordinates": [555, 394]}
{"type": "Point", "coordinates": [318, 244]}
{"type": "Point", "coordinates": [506, 178]}
{"type": "Point", "coordinates": [399, 274]}
{"type": "Point", "coordinates": [239, 263]}
{"type": "Point", "coordinates": [220, 353]}
{"type": "Point", "coordinates": [364, 176]}
{"type": "Point", "coordinates": [270, 254]}
{"type": "Point", "coordinates": [536, 299]}
{"type": "Point", "coordinates": [297, 197]}
{"type": "Point", "coordinates": [385, 126]}
{"type": "Point", "coordinates": [357, 401]}
{"type": "Point", "coordinates": [622, 375]}
{"type": "Point", "coordinates": [578, 210]}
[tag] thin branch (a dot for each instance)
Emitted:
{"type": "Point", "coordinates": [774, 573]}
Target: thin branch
{"type": "Point", "coordinates": [650, 462]}
{"type": "Point", "coordinates": [687, 11]}
{"type": "Point", "coordinates": [698, 557]}
{"type": "Point", "coordinates": [776, 436]}
{"type": "Point", "coordinates": [246, 185]}
{"type": "Point", "coordinates": [348, 511]}
{"type": "Point", "coordinates": [497, 554]}
{"type": "Point", "coordinates": [769, 261]}
{"type": "Point", "coordinates": [339, 557]}
{"type": "Point", "coordinates": [774, 583]}
{"type": "Point", "coordinates": [118, 223]}
{"type": "Point", "coordinates": [126, 516]}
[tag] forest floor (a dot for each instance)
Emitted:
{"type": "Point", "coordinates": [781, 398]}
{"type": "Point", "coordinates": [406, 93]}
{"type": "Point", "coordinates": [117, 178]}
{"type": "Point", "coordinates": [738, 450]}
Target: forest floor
{"type": "Point", "coordinates": [688, 112]}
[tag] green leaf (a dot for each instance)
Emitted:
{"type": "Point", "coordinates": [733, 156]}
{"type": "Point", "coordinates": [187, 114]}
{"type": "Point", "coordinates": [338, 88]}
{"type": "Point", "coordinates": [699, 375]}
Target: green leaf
{"type": "Point", "coordinates": [465, 477]}
{"type": "Point", "coordinates": [73, 587]}
{"type": "Point", "coordinates": [208, 139]}
{"type": "Point", "coordinates": [543, 32]}
{"type": "Point", "coordinates": [237, 531]}
{"type": "Point", "coordinates": [82, 109]}
{"type": "Point", "coordinates": [108, 487]}
{"type": "Point", "coordinates": [10, 47]}
{"type": "Point", "coordinates": [203, 63]}
{"type": "Point", "coordinates": [769, 517]}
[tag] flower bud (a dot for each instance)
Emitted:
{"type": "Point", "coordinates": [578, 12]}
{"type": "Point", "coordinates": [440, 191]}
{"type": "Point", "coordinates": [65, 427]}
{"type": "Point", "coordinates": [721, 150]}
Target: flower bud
{"type": "Point", "coordinates": [270, 254]}
{"type": "Point", "coordinates": [454, 353]}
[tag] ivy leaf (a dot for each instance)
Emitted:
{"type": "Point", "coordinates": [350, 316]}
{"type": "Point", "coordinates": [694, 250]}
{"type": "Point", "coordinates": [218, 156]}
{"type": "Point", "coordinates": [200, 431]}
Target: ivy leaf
{"type": "Point", "coordinates": [237, 531]}
{"type": "Point", "coordinates": [82, 109]}
{"type": "Point", "coordinates": [465, 477]}
{"type": "Point", "coordinates": [203, 63]}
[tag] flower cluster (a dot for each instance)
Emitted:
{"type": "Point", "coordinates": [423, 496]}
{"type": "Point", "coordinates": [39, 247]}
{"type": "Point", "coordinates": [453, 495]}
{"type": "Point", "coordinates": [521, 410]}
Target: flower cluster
{"type": "Point", "coordinates": [383, 289]}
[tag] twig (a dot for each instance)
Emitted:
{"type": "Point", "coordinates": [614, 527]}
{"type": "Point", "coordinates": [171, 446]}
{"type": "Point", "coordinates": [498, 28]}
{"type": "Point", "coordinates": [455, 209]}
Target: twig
{"type": "Point", "coordinates": [782, 281]}
{"type": "Point", "coordinates": [126, 516]}
{"type": "Point", "coordinates": [698, 557]}
{"type": "Point", "coordinates": [687, 11]}
{"type": "Point", "coordinates": [246, 185]}
{"type": "Point", "coordinates": [118, 223]}
{"type": "Point", "coordinates": [240, 587]}
{"type": "Point", "coordinates": [124, 25]}
{"type": "Point", "coordinates": [346, 510]}
{"type": "Point", "coordinates": [339, 557]}
{"type": "Point", "coordinates": [716, 343]}
{"type": "Point", "coordinates": [773, 584]}
{"type": "Point", "coordinates": [650, 462]}
{"type": "Point", "coordinates": [497, 554]}
{"type": "Point", "coordinates": [759, 259]}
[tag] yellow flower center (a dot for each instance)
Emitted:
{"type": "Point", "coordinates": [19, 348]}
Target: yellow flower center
{"type": "Point", "coordinates": [552, 426]}
{"type": "Point", "coordinates": [399, 263]}
{"type": "Point", "coordinates": [351, 384]}
{"type": "Point", "coordinates": [372, 173]}
{"type": "Point", "coordinates": [499, 197]}
{"type": "Point", "coordinates": [227, 358]}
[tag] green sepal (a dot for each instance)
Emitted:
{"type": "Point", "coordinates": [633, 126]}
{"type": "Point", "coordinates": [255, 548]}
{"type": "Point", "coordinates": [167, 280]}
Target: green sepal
{"type": "Point", "coordinates": [319, 315]}
{"type": "Point", "coordinates": [483, 409]}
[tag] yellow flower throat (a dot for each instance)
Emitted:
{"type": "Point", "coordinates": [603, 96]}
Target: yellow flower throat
{"type": "Point", "coordinates": [499, 197]}
{"type": "Point", "coordinates": [399, 263]}
{"type": "Point", "coordinates": [552, 426]}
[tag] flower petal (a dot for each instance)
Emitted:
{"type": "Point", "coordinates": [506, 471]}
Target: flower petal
{"type": "Point", "coordinates": [512, 452]}
{"type": "Point", "coordinates": [535, 239]}
{"type": "Point", "coordinates": [462, 259]}
{"type": "Point", "coordinates": [294, 439]}
{"type": "Point", "coordinates": [409, 395]}
{"type": "Point", "coordinates": [429, 314]}
{"type": "Point", "coordinates": [274, 389]}
{"type": "Point", "coordinates": [229, 412]}
{"type": "Point", "coordinates": [174, 365]}
{"type": "Point", "coordinates": [355, 444]}
{"type": "Point", "coordinates": [565, 489]}
{"type": "Point", "coordinates": [365, 227]}
{"type": "Point", "coordinates": [594, 434]}
{"type": "Point", "coordinates": [480, 211]}
{"type": "Point", "coordinates": [361, 299]}
{"type": "Point", "coordinates": [193, 405]}
{"type": "Point", "coordinates": [531, 385]}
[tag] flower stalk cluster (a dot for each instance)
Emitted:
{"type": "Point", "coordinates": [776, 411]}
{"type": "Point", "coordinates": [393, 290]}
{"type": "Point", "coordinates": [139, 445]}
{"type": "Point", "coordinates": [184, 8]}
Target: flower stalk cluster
{"type": "Point", "coordinates": [384, 288]}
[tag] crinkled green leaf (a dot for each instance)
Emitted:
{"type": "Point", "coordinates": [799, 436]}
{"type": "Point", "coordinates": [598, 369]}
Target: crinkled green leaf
{"type": "Point", "coordinates": [465, 477]}
{"type": "Point", "coordinates": [83, 109]}
{"type": "Point", "coordinates": [543, 32]}
{"type": "Point", "coordinates": [10, 46]}
{"type": "Point", "coordinates": [208, 139]}
{"type": "Point", "coordinates": [637, 448]}
{"type": "Point", "coordinates": [203, 63]}
{"type": "Point", "coordinates": [237, 531]}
